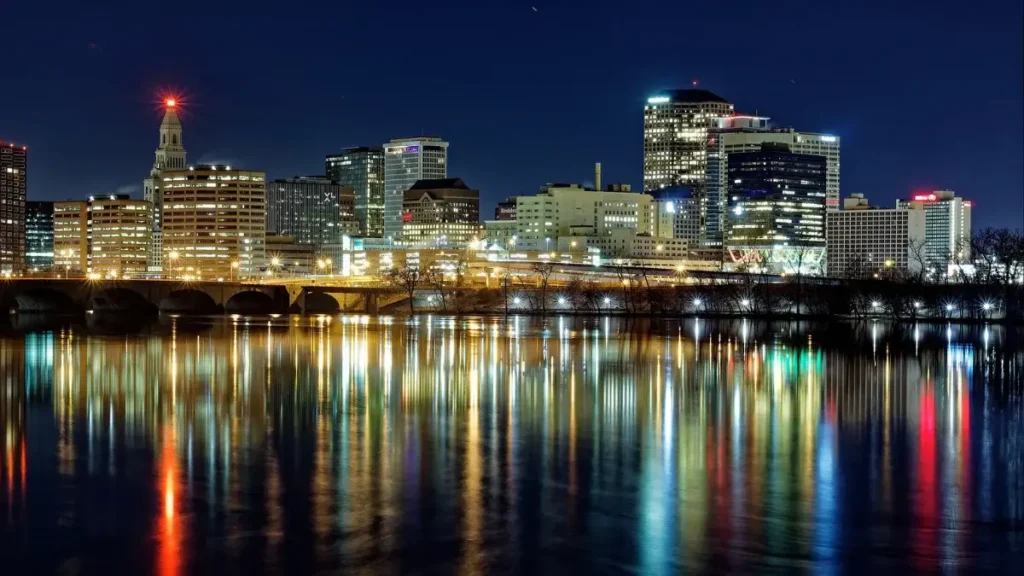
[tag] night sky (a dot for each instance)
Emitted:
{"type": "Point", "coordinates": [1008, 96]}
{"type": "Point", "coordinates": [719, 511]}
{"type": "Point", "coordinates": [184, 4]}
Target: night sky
{"type": "Point", "coordinates": [925, 95]}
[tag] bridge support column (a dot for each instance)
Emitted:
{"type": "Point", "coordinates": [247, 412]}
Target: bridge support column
{"type": "Point", "coordinates": [372, 306]}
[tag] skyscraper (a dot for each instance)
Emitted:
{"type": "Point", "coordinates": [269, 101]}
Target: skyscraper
{"type": "Point", "coordinates": [38, 236]}
{"type": "Point", "coordinates": [362, 169]}
{"type": "Point", "coordinates": [776, 219]}
{"type": "Point", "coordinates": [743, 133]}
{"type": "Point", "coordinates": [170, 155]}
{"type": "Point", "coordinates": [309, 209]}
{"type": "Point", "coordinates": [676, 125]}
{"type": "Point", "coordinates": [406, 161]}
{"type": "Point", "coordinates": [215, 222]}
{"type": "Point", "coordinates": [13, 183]}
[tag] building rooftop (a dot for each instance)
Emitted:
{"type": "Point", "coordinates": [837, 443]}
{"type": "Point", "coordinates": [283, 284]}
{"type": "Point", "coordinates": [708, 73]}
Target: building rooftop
{"type": "Point", "coordinates": [693, 95]}
{"type": "Point", "coordinates": [440, 183]}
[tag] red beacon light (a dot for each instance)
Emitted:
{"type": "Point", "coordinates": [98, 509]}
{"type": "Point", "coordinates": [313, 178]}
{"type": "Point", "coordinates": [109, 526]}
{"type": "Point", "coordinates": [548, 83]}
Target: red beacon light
{"type": "Point", "coordinates": [171, 102]}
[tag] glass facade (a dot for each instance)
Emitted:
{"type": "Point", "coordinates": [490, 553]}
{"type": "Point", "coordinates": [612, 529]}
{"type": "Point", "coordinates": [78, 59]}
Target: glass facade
{"type": "Point", "coordinates": [38, 236]}
{"type": "Point", "coordinates": [407, 161]}
{"type": "Point", "coordinates": [308, 209]}
{"type": "Point", "coordinates": [362, 169]}
{"type": "Point", "coordinates": [776, 201]}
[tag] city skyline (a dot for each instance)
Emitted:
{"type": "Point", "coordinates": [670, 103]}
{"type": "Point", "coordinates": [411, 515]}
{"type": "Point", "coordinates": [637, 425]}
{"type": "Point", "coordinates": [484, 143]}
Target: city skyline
{"type": "Point", "coordinates": [896, 142]}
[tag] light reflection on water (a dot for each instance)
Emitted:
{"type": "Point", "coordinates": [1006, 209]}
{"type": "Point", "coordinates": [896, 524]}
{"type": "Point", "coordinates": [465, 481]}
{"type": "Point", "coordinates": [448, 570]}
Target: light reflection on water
{"type": "Point", "coordinates": [480, 444]}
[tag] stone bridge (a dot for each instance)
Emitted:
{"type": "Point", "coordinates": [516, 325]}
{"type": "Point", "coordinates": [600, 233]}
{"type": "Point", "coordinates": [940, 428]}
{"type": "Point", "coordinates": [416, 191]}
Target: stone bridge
{"type": "Point", "coordinates": [64, 296]}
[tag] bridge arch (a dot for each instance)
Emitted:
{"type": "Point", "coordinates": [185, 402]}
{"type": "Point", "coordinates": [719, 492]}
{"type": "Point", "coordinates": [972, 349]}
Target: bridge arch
{"type": "Point", "coordinates": [251, 302]}
{"type": "Point", "coordinates": [189, 301]}
{"type": "Point", "coordinates": [119, 300]}
{"type": "Point", "coordinates": [43, 300]}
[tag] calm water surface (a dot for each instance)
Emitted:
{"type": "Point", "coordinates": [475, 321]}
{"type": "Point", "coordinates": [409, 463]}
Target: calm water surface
{"type": "Point", "coordinates": [480, 445]}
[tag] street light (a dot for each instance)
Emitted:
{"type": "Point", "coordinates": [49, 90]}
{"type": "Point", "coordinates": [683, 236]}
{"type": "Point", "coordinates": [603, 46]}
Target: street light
{"type": "Point", "coordinates": [949, 307]}
{"type": "Point", "coordinates": [917, 304]}
{"type": "Point", "coordinates": [174, 258]}
{"type": "Point", "coordinates": [875, 304]}
{"type": "Point", "coordinates": [986, 306]}
{"type": "Point", "coordinates": [697, 302]}
{"type": "Point", "coordinates": [744, 302]}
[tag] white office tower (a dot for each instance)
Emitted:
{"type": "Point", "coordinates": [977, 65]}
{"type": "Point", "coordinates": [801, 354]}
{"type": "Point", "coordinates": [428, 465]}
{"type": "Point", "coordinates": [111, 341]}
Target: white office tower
{"type": "Point", "coordinates": [406, 161]}
{"type": "Point", "coordinates": [947, 229]}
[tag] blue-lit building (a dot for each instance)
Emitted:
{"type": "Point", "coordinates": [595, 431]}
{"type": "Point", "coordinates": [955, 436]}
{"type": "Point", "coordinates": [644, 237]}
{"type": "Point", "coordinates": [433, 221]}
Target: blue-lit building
{"type": "Point", "coordinates": [776, 210]}
{"type": "Point", "coordinates": [38, 236]}
{"type": "Point", "coordinates": [362, 169]}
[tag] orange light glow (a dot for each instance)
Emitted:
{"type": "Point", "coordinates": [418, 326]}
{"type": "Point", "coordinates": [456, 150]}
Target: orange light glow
{"type": "Point", "coordinates": [171, 102]}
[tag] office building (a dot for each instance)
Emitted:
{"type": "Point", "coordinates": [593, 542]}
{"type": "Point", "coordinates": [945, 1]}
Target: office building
{"type": "Point", "coordinates": [38, 236]}
{"type": "Point", "coordinates": [746, 134]}
{"type": "Point", "coordinates": [71, 238]}
{"type": "Point", "coordinates": [677, 214]}
{"type": "Point", "coordinates": [215, 222]}
{"type": "Point", "coordinates": [13, 184]}
{"type": "Point", "coordinates": [106, 236]}
{"type": "Point", "coordinates": [311, 209]}
{"type": "Point", "coordinates": [572, 210]}
{"type": "Point", "coordinates": [362, 169]}
{"type": "Point", "coordinates": [170, 155]}
{"type": "Point", "coordinates": [407, 161]}
{"type": "Point", "coordinates": [120, 236]}
{"type": "Point", "coordinates": [676, 125]}
{"type": "Point", "coordinates": [440, 214]}
{"type": "Point", "coordinates": [863, 240]}
{"type": "Point", "coordinates": [776, 218]}
{"type": "Point", "coordinates": [947, 228]}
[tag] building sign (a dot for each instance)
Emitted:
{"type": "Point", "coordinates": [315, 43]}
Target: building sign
{"type": "Point", "coordinates": [406, 216]}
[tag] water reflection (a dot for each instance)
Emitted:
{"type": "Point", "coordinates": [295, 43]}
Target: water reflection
{"type": "Point", "coordinates": [470, 445]}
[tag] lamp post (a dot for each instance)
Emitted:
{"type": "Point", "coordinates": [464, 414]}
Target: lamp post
{"type": "Point", "coordinates": [173, 257]}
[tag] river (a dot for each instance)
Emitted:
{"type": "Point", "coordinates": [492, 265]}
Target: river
{"type": "Point", "coordinates": [436, 444]}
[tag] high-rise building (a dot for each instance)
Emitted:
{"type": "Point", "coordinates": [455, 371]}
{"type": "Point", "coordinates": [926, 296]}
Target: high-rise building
{"type": "Point", "coordinates": [746, 134]}
{"type": "Point", "coordinates": [863, 240]}
{"type": "Point", "coordinates": [215, 222]}
{"type": "Point", "coordinates": [440, 214]}
{"type": "Point", "coordinates": [170, 155]}
{"type": "Point", "coordinates": [13, 183]}
{"type": "Point", "coordinates": [309, 209]}
{"type": "Point", "coordinates": [71, 238]}
{"type": "Point", "coordinates": [106, 236]}
{"type": "Point", "coordinates": [362, 169]}
{"type": "Point", "coordinates": [947, 228]}
{"type": "Point", "coordinates": [776, 219]}
{"type": "Point", "coordinates": [38, 236]}
{"type": "Point", "coordinates": [407, 161]}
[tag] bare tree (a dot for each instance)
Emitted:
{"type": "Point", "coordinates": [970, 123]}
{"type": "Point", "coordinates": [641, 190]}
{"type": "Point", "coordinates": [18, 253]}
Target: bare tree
{"type": "Point", "coordinates": [543, 271]}
{"type": "Point", "coordinates": [407, 279]}
{"type": "Point", "coordinates": [505, 279]}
